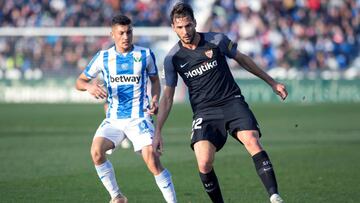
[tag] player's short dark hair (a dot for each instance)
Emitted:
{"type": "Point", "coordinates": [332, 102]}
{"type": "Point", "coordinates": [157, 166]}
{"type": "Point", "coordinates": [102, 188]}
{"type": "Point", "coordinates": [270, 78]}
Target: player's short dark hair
{"type": "Point", "coordinates": [181, 10]}
{"type": "Point", "coordinates": [120, 20]}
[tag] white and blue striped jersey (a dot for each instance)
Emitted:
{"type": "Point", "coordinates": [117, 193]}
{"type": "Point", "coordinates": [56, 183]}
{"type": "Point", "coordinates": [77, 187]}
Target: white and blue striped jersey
{"type": "Point", "coordinates": [125, 77]}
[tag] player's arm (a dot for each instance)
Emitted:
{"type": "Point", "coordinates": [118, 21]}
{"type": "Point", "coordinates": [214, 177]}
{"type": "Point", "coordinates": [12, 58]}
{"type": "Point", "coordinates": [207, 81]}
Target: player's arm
{"type": "Point", "coordinates": [106, 106]}
{"type": "Point", "coordinates": [248, 64]}
{"type": "Point", "coordinates": [83, 83]}
{"type": "Point", "coordinates": [155, 94]}
{"type": "Point", "coordinates": [164, 110]}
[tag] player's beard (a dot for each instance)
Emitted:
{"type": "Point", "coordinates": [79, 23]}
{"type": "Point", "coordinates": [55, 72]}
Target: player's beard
{"type": "Point", "coordinates": [192, 37]}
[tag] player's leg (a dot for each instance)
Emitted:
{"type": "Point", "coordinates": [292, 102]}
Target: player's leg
{"type": "Point", "coordinates": [162, 176]}
{"type": "Point", "coordinates": [250, 139]}
{"type": "Point", "coordinates": [205, 155]}
{"type": "Point", "coordinates": [107, 136]}
{"type": "Point", "coordinates": [105, 169]}
{"type": "Point", "coordinates": [140, 133]}
{"type": "Point", "coordinates": [98, 148]}
{"type": "Point", "coordinates": [244, 127]}
{"type": "Point", "coordinates": [264, 168]}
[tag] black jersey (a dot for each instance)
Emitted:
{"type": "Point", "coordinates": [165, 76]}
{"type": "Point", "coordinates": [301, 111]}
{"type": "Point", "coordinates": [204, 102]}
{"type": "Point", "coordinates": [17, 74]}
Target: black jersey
{"type": "Point", "coordinates": [204, 70]}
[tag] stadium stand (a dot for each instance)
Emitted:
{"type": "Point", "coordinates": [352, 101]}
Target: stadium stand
{"type": "Point", "coordinates": [306, 35]}
{"type": "Point", "coordinates": [64, 54]}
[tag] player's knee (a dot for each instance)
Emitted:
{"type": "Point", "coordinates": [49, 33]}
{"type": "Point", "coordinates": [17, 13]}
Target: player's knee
{"type": "Point", "coordinates": [205, 166]}
{"type": "Point", "coordinates": [97, 157]}
{"type": "Point", "coordinates": [252, 143]}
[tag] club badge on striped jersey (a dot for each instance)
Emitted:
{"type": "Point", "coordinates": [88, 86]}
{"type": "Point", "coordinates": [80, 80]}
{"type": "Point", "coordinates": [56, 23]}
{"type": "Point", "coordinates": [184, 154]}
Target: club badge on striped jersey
{"type": "Point", "coordinates": [125, 66]}
{"type": "Point", "coordinates": [137, 57]}
{"type": "Point", "coordinates": [209, 53]}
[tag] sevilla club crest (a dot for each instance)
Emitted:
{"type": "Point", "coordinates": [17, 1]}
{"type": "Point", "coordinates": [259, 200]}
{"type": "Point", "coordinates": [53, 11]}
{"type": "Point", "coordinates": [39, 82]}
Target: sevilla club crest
{"type": "Point", "coordinates": [209, 53]}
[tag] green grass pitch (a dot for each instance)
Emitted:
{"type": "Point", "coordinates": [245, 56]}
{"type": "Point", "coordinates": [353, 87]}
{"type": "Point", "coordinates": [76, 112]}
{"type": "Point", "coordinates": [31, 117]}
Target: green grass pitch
{"type": "Point", "coordinates": [44, 156]}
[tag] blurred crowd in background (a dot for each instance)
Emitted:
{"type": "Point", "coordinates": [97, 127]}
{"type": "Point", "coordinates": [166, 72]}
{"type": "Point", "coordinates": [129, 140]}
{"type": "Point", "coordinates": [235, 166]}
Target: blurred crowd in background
{"type": "Point", "coordinates": [81, 13]}
{"type": "Point", "coordinates": [306, 34]}
{"type": "Point", "coordinates": [64, 55]}
{"type": "Point", "coordinates": [303, 34]}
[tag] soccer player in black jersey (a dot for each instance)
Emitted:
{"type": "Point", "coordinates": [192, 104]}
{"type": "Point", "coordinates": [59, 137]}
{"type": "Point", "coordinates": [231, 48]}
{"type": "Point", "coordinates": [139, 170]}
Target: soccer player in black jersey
{"type": "Point", "coordinates": [219, 107]}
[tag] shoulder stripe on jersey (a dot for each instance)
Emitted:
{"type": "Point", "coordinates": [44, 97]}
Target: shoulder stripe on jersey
{"type": "Point", "coordinates": [90, 64]}
{"type": "Point", "coordinates": [142, 87]}
{"type": "Point", "coordinates": [87, 74]}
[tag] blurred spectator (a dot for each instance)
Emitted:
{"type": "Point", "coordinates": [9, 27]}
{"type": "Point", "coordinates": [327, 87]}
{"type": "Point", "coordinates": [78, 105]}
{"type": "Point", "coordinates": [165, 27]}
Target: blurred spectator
{"type": "Point", "coordinates": [305, 34]}
{"type": "Point", "coordinates": [61, 53]}
{"type": "Point", "coordinates": [55, 13]}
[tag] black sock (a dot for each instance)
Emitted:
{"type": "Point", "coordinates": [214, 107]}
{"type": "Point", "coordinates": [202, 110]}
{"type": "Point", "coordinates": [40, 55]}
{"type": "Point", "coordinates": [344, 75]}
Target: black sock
{"type": "Point", "coordinates": [211, 186]}
{"type": "Point", "coordinates": [265, 171]}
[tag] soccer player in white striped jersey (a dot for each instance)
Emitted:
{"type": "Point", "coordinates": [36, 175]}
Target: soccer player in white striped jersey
{"type": "Point", "coordinates": [125, 68]}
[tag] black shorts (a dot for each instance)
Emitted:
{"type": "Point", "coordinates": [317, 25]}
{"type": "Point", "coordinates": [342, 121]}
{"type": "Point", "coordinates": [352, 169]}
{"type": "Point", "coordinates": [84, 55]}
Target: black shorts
{"type": "Point", "coordinates": [214, 124]}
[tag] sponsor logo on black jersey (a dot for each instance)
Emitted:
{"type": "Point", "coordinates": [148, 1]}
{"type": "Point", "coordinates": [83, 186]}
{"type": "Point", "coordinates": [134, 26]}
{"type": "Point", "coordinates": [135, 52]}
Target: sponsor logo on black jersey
{"type": "Point", "coordinates": [183, 65]}
{"type": "Point", "coordinates": [126, 78]}
{"type": "Point", "coordinates": [201, 69]}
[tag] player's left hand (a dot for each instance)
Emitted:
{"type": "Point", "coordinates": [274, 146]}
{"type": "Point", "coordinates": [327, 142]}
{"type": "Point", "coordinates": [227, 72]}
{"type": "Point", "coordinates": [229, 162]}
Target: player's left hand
{"type": "Point", "coordinates": [154, 106]}
{"type": "Point", "coordinates": [280, 90]}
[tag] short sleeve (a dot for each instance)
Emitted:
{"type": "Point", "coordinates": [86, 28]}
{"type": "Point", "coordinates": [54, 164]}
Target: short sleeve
{"type": "Point", "coordinates": [152, 69]}
{"type": "Point", "coordinates": [94, 67]}
{"type": "Point", "coordinates": [170, 73]}
{"type": "Point", "coordinates": [227, 46]}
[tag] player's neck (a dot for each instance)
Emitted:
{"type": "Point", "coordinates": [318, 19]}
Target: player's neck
{"type": "Point", "coordinates": [123, 50]}
{"type": "Point", "coordinates": [194, 43]}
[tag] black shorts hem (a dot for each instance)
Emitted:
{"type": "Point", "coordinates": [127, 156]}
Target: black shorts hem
{"type": "Point", "coordinates": [217, 145]}
{"type": "Point", "coordinates": [233, 133]}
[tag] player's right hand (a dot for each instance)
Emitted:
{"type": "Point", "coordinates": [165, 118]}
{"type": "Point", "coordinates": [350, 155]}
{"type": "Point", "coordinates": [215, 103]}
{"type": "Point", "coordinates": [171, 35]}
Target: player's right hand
{"type": "Point", "coordinates": [157, 144]}
{"type": "Point", "coordinates": [280, 90]}
{"type": "Point", "coordinates": [97, 90]}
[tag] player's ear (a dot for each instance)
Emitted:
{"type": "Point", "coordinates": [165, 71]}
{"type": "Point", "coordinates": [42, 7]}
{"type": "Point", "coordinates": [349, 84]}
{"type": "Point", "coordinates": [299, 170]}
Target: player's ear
{"type": "Point", "coordinates": [112, 34]}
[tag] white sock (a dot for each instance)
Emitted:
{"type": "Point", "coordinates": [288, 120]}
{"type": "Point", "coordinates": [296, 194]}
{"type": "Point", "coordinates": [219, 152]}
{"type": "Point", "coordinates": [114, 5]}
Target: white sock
{"type": "Point", "coordinates": [106, 174]}
{"type": "Point", "coordinates": [164, 182]}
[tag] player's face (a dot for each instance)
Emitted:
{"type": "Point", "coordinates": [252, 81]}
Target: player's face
{"type": "Point", "coordinates": [122, 36]}
{"type": "Point", "coordinates": [185, 29]}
